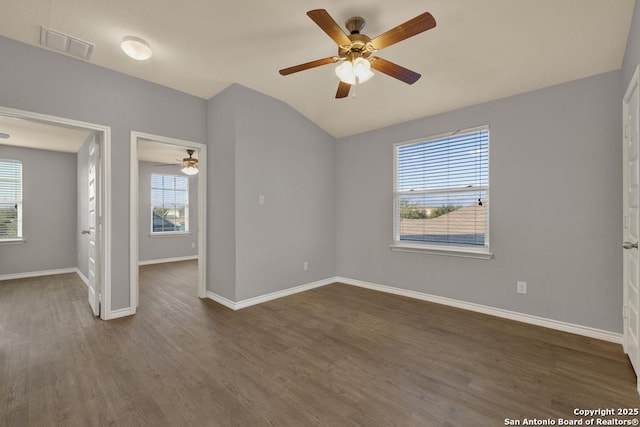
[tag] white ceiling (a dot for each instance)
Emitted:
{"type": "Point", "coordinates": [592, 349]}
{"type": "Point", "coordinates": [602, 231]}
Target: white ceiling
{"type": "Point", "coordinates": [41, 136]}
{"type": "Point", "coordinates": [479, 51]}
{"type": "Point", "coordinates": [157, 152]}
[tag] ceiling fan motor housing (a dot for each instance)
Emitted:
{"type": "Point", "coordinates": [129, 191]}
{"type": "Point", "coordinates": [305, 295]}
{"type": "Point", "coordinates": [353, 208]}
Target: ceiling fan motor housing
{"type": "Point", "coordinates": [360, 47]}
{"type": "Point", "coordinates": [190, 160]}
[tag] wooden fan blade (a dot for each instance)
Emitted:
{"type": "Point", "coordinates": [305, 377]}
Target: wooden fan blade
{"type": "Point", "coordinates": [343, 90]}
{"type": "Point", "coordinates": [394, 70]}
{"type": "Point", "coordinates": [322, 18]}
{"type": "Point", "coordinates": [410, 28]}
{"type": "Point", "coordinates": [308, 65]}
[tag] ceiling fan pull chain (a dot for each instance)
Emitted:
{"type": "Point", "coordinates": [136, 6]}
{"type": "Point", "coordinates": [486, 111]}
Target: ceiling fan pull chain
{"type": "Point", "coordinates": [355, 86]}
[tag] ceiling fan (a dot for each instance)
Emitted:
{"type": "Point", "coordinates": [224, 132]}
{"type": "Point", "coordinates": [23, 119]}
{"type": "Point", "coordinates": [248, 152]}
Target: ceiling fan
{"type": "Point", "coordinates": [189, 164]}
{"type": "Point", "coordinates": [355, 49]}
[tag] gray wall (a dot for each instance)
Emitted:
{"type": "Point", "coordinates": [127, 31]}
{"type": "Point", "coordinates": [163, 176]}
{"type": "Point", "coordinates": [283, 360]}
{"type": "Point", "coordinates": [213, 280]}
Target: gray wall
{"type": "Point", "coordinates": [155, 247]}
{"type": "Point", "coordinates": [221, 198]}
{"type": "Point", "coordinates": [37, 80]}
{"type": "Point", "coordinates": [49, 212]}
{"type": "Point", "coordinates": [556, 204]}
{"type": "Point", "coordinates": [82, 161]}
{"type": "Point", "coordinates": [632, 52]}
{"type": "Point", "coordinates": [270, 149]}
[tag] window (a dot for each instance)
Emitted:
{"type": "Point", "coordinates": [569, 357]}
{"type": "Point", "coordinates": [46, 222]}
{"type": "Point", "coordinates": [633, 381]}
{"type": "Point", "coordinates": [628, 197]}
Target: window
{"type": "Point", "coordinates": [441, 193]}
{"type": "Point", "coordinates": [10, 200]}
{"type": "Point", "coordinates": [169, 203]}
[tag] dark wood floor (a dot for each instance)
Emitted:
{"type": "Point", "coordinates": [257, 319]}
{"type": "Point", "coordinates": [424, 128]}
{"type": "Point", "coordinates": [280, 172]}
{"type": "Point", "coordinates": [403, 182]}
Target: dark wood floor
{"type": "Point", "coordinates": [334, 356]}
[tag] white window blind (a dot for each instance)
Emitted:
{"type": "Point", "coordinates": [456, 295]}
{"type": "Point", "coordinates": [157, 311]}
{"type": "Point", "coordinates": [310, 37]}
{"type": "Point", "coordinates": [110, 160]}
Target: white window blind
{"type": "Point", "coordinates": [441, 194]}
{"type": "Point", "coordinates": [169, 203]}
{"type": "Point", "coordinates": [10, 199]}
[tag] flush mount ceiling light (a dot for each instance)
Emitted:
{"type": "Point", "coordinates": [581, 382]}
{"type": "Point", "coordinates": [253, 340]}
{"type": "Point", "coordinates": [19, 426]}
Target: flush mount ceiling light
{"type": "Point", "coordinates": [136, 48]}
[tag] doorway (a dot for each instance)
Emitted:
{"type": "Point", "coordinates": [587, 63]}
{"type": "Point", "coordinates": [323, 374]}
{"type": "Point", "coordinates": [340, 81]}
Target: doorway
{"type": "Point", "coordinates": [99, 286]}
{"type": "Point", "coordinates": [141, 140]}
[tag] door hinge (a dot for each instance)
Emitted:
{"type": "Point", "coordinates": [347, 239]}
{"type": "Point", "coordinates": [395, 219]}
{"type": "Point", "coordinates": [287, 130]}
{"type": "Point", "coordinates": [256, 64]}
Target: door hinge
{"type": "Point", "coordinates": [625, 312]}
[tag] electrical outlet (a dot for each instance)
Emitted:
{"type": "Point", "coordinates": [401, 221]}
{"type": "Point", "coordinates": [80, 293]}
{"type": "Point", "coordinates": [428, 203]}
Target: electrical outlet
{"type": "Point", "coordinates": [193, 245]}
{"type": "Point", "coordinates": [261, 200]}
{"type": "Point", "coordinates": [305, 265]}
{"type": "Point", "coordinates": [521, 287]}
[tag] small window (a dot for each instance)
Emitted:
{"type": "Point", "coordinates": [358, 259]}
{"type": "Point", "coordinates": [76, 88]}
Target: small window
{"type": "Point", "coordinates": [441, 191]}
{"type": "Point", "coordinates": [169, 203]}
{"type": "Point", "coordinates": [10, 200]}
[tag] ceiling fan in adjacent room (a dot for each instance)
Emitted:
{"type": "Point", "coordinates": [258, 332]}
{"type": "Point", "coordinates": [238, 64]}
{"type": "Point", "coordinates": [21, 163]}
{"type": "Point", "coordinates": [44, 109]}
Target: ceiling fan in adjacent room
{"type": "Point", "coordinates": [355, 49]}
{"type": "Point", "coordinates": [189, 164]}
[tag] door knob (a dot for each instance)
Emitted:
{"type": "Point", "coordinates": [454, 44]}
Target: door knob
{"type": "Point", "coordinates": [87, 232]}
{"type": "Point", "coordinates": [629, 245]}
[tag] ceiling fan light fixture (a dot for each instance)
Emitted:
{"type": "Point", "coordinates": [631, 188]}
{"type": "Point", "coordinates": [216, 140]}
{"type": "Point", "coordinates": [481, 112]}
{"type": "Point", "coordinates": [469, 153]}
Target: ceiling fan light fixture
{"type": "Point", "coordinates": [189, 170]}
{"type": "Point", "coordinates": [344, 72]}
{"type": "Point", "coordinates": [136, 48]}
{"type": "Point", "coordinates": [362, 69]}
{"type": "Point", "coordinates": [348, 71]}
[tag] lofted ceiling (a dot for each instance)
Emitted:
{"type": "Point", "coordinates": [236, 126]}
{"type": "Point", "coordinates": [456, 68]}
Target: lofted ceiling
{"type": "Point", "coordinates": [479, 50]}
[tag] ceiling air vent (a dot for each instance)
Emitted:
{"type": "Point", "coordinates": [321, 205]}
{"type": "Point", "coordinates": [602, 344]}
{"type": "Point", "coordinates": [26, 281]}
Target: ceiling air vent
{"type": "Point", "coordinates": [64, 43]}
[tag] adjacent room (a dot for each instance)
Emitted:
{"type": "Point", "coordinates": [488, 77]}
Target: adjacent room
{"type": "Point", "coordinates": [281, 213]}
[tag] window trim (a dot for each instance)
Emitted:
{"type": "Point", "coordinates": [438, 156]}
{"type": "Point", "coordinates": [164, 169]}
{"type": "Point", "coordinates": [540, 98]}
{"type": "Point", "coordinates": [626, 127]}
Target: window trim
{"type": "Point", "coordinates": [170, 233]}
{"type": "Point", "coordinates": [20, 203]}
{"type": "Point", "coordinates": [175, 233]}
{"type": "Point", "coordinates": [470, 251]}
{"type": "Point", "coordinates": [12, 241]}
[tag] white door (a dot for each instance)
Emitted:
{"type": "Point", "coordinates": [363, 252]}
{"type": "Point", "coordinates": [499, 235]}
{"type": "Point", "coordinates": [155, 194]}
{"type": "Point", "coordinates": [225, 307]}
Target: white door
{"type": "Point", "coordinates": [94, 230]}
{"type": "Point", "coordinates": [631, 190]}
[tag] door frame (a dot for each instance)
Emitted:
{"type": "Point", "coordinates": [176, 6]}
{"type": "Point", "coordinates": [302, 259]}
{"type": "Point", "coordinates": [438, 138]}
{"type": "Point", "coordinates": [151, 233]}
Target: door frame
{"type": "Point", "coordinates": [104, 134]}
{"type": "Point", "coordinates": [134, 223]}
{"type": "Point", "coordinates": [634, 84]}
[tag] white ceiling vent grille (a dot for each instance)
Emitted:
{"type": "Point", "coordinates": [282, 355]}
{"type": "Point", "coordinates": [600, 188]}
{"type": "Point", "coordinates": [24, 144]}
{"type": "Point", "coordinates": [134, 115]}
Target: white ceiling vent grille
{"type": "Point", "coordinates": [64, 43]}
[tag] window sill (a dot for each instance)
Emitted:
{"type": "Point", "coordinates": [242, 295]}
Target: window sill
{"type": "Point", "coordinates": [456, 251]}
{"type": "Point", "coordinates": [13, 242]}
{"type": "Point", "coordinates": [171, 234]}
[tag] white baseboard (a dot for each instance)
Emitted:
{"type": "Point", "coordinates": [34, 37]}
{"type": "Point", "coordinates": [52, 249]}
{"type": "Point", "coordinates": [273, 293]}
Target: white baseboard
{"type": "Point", "coordinates": [222, 300]}
{"type": "Point", "coordinates": [498, 312]}
{"type": "Point", "coordinates": [37, 273]}
{"type": "Point", "coordinates": [115, 314]}
{"type": "Point", "coordinates": [493, 311]}
{"type": "Point", "coordinates": [82, 277]}
{"type": "Point", "coordinates": [46, 273]}
{"type": "Point", "coordinates": [163, 260]}
{"type": "Point", "coordinates": [268, 297]}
